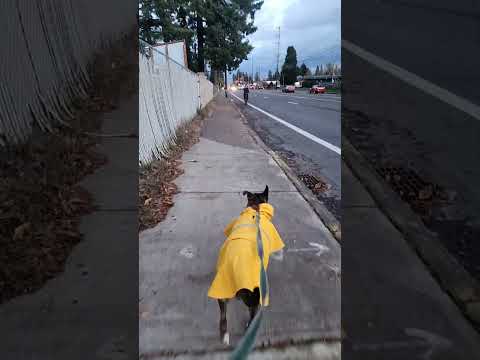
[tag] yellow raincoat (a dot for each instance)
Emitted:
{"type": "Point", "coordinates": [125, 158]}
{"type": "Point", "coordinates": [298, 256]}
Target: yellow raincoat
{"type": "Point", "coordinates": [238, 265]}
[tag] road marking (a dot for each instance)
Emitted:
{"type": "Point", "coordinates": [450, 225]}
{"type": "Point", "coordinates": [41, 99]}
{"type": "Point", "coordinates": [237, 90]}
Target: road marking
{"type": "Point", "coordinates": [312, 98]}
{"type": "Point", "coordinates": [319, 249]}
{"type": "Point", "coordinates": [433, 342]}
{"type": "Point", "coordinates": [188, 252]}
{"type": "Point", "coordinates": [291, 102]}
{"type": "Point", "coordinates": [329, 146]}
{"type": "Point", "coordinates": [333, 99]}
{"type": "Point", "coordinates": [277, 255]}
{"type": "Point", "coordinates": [265, 97]}
{"type": "Point", "coordinates": [415, 80]}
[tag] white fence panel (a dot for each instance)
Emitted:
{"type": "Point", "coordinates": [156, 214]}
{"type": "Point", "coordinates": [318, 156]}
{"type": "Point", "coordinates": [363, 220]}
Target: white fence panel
{"type": "Point", "coordinates": [49, 44]}
{"type": "Point", "coordinates": [169, 96]}
{"type": "Point", "coordinates": [206, 90]}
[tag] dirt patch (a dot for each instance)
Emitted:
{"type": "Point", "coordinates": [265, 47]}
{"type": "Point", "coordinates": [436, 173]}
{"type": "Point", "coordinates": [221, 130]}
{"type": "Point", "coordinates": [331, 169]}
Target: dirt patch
{"type": "Point", "coordinates": [40, 201]}
{"type": "Point", "coordinates": [156, 180]}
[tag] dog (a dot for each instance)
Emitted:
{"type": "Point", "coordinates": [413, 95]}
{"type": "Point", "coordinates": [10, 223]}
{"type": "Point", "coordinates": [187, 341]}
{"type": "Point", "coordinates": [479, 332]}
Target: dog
{"type": "Point", "coordinates": [238, 265]}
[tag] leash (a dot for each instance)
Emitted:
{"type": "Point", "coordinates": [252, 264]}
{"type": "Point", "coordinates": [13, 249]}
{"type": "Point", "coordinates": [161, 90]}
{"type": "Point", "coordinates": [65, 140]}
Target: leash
{"type": "Point", "coordinates": [247, 343]}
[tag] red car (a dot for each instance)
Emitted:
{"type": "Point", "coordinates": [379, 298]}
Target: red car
{"type": "Point", "coordinates": [317, 89]}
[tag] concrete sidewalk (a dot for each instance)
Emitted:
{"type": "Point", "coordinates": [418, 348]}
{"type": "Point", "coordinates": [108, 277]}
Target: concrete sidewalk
{"type": "Point", "coordinates": [392, 306]}
{"type": "Point", "coordinates": [178, 256]}
{"type": "Point", "coordinates": [97, 289]}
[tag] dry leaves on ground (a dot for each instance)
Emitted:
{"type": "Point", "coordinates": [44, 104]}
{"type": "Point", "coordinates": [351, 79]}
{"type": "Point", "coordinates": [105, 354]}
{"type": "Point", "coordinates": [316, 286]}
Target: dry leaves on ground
{"type": "Point", "coordinates": [40, 203]}
{"type": "Point", "coordinates": [40, 207]}
{"type": "Point", "coordinates": [156, 186]}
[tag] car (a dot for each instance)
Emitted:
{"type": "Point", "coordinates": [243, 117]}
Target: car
{"type": "Point", "coordinates": [317, 89]}
{"type": "Point", "coordinates": [289, 89]}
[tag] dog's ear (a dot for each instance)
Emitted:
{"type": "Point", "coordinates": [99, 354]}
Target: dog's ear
{"type": "Point", "coordinates": [265, 193]}
{"type": "Point", "coordinates": [248, 193]}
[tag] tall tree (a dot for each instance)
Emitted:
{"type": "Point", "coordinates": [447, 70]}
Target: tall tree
{"type": "Point", "coordinates": [289, 68]}
{"type": "Point", "coordinates": [270, 75]}
{"type": "Point", "coordinates": [215, 31]}
{"type": "Point", "coordinates": [329, 69]}
{"type": "Point", "coordinates": [317, 71]}
{"type": "Point", "coordinates": [257, 77]}
{"type": "Point", "coordinates": [226, 43]}
{"type": "Point", "coordinates": [276, 76]}
{"type": "Point", "coordinates": [303, 70]}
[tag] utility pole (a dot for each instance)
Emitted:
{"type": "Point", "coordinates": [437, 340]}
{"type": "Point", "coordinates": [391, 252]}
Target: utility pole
{"type": "Point", "coordinates": [252, 69]}
{"type": "Point", "coordinates": [278, 53]}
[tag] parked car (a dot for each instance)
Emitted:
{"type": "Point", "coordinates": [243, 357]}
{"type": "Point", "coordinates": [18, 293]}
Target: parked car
{"type": "Point", "coordinates": [289, 89]}
{"type": "Point", "coordinates": [317, 89]}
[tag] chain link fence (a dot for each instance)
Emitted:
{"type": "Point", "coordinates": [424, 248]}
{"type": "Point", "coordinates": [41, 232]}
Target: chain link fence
{"type": "Point", "coordinates": [50, 44]}
{"type": "Point", "coordinates": [169, 96]}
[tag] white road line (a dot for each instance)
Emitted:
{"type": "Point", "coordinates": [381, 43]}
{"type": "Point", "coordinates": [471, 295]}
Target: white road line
{"type": "Point", "coordinates": [332, 100]}
{"type": "Point", "coordinates": [415, 80]}
{"type": "Point", "coordinates": [291, 102]}
{"type": "Point", "coordinates": [329, 146]}
{"type": "Point", "coordinates": [312, 98]}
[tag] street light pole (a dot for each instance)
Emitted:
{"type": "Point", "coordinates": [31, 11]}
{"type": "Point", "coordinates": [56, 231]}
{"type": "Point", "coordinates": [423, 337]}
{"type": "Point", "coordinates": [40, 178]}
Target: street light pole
{"type": "Point", "coordinates": [252, 69]}
{"type": "Point", "coordinates": [278, 56]}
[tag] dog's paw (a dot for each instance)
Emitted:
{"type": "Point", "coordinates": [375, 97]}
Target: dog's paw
{"type": "Point", "coordinates": [226, 339]}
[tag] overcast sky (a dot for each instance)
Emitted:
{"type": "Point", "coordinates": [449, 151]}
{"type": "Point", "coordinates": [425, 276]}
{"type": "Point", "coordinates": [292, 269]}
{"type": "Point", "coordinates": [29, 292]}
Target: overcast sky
{"type": "Point", "coordinates": [311, 26]}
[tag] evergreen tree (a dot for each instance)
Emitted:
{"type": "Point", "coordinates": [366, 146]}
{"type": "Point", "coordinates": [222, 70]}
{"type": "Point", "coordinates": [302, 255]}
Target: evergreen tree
{"type": "Point", "coordinates": [303, 70]}
{"type": "Point", "coordinates": [329, 69]}
{"type": "Point", "coordinates": [276, 76]}
{"type": "Point", "coordinates": [214, 31]}
{"type": "Point", "coordinates": [289, 68]}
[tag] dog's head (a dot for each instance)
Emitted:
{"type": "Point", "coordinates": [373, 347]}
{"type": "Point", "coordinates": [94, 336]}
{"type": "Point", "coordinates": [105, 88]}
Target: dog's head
{"type": "Point", "coordinates": [255, 199]}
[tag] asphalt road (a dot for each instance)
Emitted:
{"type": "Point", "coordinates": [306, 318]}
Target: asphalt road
{"type": "Point", "coordinates": [319, 116]}
{"type": "Point", "coordinates": [434, 133]}
{"type": "Point", "coordinates": [396, 122]}
{"type": "Point", "coordinates": [430, 38]}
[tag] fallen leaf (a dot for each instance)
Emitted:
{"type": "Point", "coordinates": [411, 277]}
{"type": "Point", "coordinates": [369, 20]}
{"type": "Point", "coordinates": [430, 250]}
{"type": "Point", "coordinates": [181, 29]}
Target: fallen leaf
{"type": "Point", "coordinates": [426, 192]}
{"type": "Point", "coordinates": [21, 231]}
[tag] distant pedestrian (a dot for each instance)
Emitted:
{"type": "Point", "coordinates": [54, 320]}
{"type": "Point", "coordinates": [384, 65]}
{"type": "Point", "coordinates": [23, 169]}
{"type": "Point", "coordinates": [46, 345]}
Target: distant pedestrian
{"type": "Point", "coordinates": [226, 91]}
{"type": "Point", "coordinates": [245, 94]}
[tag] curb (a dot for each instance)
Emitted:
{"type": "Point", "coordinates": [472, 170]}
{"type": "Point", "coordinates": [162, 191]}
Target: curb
{"type": "Point", "coordinates": [332, 224]}
{"type": "Point", "coordinates": [449, 273]}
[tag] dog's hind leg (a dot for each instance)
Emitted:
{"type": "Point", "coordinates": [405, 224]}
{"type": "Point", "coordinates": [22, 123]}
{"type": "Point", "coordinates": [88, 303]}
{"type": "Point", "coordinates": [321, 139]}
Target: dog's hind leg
{"type": "Point", "coordinates": [224, 335]}
{"type": "Point", "coordinates": [251, 300]}
{"type": "Point", "coordinates": [253, 311]}
{"type": "Point", "coordinates": [253, 304]}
